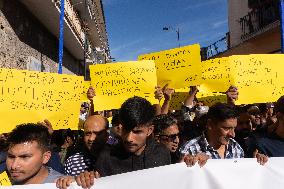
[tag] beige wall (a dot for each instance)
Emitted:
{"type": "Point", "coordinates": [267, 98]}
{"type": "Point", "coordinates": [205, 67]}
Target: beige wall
{"type": "Point", "coordinates": [236, 10]}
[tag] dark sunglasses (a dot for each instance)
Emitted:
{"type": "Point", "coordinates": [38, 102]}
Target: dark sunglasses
{"type": "Point", "coordinates": [171, 138]}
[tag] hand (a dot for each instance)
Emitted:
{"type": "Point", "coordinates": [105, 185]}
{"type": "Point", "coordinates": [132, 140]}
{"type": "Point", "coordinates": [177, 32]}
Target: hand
{"type": "Point", "coordinates": [232, 94]}
{"type": "Point", "coordinates": [193, 90]}
{"type": "Point", "coordinates": [87, 179]}
{"type": "Point", "coordinates": [64, 182]}
{"type": "Point", "coordinates": [158, 93]}
{"type": "Point", "coordinates": [167, 92]}
{"type": "Point", "coordinates": [261, 158]}
{"type": "Point", "coordinates": [201, 158]}
{"type": "Point", "coordinates": [91, 93]}
{"type": "Point", "coordinates": [46, 124]}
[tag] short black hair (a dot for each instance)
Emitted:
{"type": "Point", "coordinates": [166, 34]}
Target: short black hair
{"type": "Point", "coordinates": [115, 120]}
{"type": "Point", "coordinates": [30, 132]}
{"type": "Point", "coordinates": [162, 122]}
{"type": "Point", "coordinates": [220, 112]}
{"type": "Point", "coordinates": [279, 105]}
{"type": "Point", "coordinates": [136, 111]}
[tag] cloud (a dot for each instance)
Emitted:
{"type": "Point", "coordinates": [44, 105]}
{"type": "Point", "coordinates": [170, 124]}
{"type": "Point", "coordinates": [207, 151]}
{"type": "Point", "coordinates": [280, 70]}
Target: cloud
{"type": "Point", "coordinates": [126, 45]}
{"type": "Point", "coordinates": [201, 4]}
{"type": "Point", "coordinates": [219, 23]}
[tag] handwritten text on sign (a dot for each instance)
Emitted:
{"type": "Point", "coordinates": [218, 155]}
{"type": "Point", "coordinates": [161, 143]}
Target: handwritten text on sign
{"type": "Point", "coordinates": [217, 74]}
{"type": "Point", "coordinates": [34, 96]}
{"type": "Point", "coordinates": [114, 83]}
{"type": "Point", "coordinates": [179, 67]}
{"type": "Point", "coordinates": [259, 78]}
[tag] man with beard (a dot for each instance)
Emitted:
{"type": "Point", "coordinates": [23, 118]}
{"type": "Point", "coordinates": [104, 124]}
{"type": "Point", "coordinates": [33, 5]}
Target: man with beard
{"type": "Point", "coordinates": [28, 154]}
{"type": "Point", "coordinates": [95, 138]}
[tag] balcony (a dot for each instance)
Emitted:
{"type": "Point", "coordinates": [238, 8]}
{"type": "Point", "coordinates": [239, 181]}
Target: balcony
{"type": "Point", "coordinates": [216, 48]}
{"type": "Point", "coordinates": [260, 19]}
{"type": "Point", "coordinates": [48, 12]}
{"type": "Point", "coordinates": [91, 12]}
{"type": "Point", "coordinates": [73, 19]}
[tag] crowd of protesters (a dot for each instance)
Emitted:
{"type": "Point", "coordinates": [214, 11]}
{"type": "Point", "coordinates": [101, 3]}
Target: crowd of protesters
{"type": "Point", "coordinates": [140, 136]}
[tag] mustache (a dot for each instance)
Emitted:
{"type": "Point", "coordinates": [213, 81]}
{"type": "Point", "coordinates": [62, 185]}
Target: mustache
{"type": "Point", "coordinates": [130, 143]}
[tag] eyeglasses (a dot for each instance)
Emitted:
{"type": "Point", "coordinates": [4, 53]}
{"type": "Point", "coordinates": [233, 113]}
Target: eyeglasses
{"type": "Point", "coordinates": [170, 138]}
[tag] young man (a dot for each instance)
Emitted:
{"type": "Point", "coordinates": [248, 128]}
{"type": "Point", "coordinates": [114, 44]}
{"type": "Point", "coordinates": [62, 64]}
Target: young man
{"type": "Point", "coordinates": [167, 132]}
{"type": "Point", "coordinates": [217, 142]}
{"type": "Point", "coordinates": [137, 149]}
{"type": "Point", "coordinates": [28, 154]}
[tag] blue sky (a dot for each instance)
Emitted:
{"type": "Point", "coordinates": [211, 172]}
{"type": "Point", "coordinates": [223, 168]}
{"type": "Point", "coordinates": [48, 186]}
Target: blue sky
{"type": "Point", "coordinates": [136, 26]}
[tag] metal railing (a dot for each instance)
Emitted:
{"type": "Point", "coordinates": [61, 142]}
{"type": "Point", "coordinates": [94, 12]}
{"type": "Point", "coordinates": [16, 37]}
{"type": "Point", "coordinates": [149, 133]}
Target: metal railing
{"type": "Point", "coordinates": [259, 18]}
{"type": "Point", "coordinates": [73, 19]}
{"type": "Point", "coordinates": [216, 48]}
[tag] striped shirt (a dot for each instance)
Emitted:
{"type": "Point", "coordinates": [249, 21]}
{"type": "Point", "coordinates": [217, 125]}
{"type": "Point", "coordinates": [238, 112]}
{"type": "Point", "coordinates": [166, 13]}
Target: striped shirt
{"type": "Point", "coordinates": [200, 145]}
{"type": "Point", "coordinates": [78, 163]}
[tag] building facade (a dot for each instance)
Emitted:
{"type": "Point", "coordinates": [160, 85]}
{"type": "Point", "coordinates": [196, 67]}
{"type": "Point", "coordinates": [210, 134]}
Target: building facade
{"type": "Point", "coordinates": [29, 33]}
{"type": "Point", "coordinates": [254, 28]}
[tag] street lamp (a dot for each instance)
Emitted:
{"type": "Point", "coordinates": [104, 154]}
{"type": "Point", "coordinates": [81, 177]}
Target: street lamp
{"type": "Point", "coordinates": [173, 29]}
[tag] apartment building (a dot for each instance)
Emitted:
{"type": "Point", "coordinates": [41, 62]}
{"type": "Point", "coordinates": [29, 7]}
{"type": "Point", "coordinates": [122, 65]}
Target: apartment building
{"type": "Point", "coordinates": [29, 35]}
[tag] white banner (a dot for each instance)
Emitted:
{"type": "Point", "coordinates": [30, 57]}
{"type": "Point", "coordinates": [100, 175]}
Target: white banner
{"type": "Point", "coordinates": [216, 174]}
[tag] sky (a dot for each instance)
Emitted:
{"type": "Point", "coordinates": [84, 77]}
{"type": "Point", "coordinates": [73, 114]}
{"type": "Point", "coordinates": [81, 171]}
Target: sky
{"type": "Point", "coordinates": [135, 27]}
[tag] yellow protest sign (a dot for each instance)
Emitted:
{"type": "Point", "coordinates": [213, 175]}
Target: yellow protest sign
{"type": "Point", "coordinates": [209, 97]}
{"type": "Point", "coordinates": [29, 96]}
{"type": "Point", "coordinates": [116, 82]}
{"type": "Point", "coordinates": [4, 179]}
{"type": "Point", "coordinates": [87, 85]}
{"type": "Point", "coordinates": [216, 74]}
{"type": "Point", "coordinates": [259, 77]}
{"type": "Point", "coordinates": [179, 67]}
{"type": "Point", "coordinates": [177, 100]}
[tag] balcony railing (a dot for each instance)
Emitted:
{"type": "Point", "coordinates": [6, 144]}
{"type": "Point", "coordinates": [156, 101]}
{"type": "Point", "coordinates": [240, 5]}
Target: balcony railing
{"type": "Point", "coordinates": [73, 19]}
{"type": "Point", "coordinates": [259, 18]}
{"type": "Point", "coordinates": [216, 48]}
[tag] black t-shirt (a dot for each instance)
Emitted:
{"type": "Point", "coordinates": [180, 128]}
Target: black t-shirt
{"type": "Point", "coordinates": [271, 145]}
{"type": "Point", "coordinates": [115, 160]}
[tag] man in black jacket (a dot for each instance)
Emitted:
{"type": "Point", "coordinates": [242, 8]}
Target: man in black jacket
{"type": "Point", "coordinates": [136, 151]}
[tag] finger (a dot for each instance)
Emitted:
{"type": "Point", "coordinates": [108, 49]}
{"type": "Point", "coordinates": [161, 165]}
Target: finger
{"type": "Point", "coordinates": [78, 180]}
{"type": "Point", "coordinates": [203, 161]}
{"type": "Point", "coordinates": [58, 182]}
{"type": "Point", "coordinates": [97, 174]}
{"type": "Point", "coordinates": [87, 180]}
{"type": "Point", "coordinates": [194, 160]}
{"type": "Point", "coordinates": [64, 184]}
{"type": "Point", "coordinates": [83, 181]}
{"type": "Point", "coordinates": [47, 122]}
{"type": "Point", "coordinates": [92, 178]}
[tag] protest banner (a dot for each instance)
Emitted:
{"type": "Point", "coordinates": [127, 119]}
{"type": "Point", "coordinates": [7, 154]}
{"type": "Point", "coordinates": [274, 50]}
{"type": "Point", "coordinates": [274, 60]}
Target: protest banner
{"type": "Point", "coordinates": [216, 74]}
{"type": "Point", "coordinates": [29, 96]}
{"type": "Point", "coordinates": [116, 82]}
{"type": "Point", "coordinates": [4, 179]}
{"type": "Point", "coordinates": [179, 67]}
{"type": "Point", "coordinates": [216, 174]}
{"type": "Point", "coordinates": [259, 77]}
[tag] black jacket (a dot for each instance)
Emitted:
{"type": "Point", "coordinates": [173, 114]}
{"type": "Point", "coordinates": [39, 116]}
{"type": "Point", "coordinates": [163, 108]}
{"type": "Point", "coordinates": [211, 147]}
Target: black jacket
{"type": "Point", "coordinates": [116, 160]}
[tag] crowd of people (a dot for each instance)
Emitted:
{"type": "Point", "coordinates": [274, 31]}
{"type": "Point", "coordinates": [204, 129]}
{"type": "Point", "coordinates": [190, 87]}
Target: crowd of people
{"type": "Point", "coordinates": [140, 136]}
